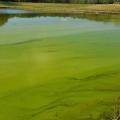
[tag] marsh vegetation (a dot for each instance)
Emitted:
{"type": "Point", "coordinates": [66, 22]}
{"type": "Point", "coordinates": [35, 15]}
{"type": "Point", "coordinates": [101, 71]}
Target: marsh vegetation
{"type": "Point", "coordinates": [64, 8]}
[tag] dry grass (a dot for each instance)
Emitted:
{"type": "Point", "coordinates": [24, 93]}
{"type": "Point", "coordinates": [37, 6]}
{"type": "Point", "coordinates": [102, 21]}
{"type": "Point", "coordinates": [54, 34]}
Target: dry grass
{"type": "Point", "coordinates": [65, 8]}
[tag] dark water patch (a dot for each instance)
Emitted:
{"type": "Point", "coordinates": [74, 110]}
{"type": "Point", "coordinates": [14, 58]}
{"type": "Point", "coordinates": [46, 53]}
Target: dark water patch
{"type": "Point", "coordinates": [45, 108]}
{"type": "Point", "coordinates": [3, 19]}
{"type": "Point", "coordinates": [22, 42]}
{"type": "Point", "coordinates": [50, 106]}
{"type": "Point", "coordinates": [26, 42]}
{"type": "Point", "coordinates": [65, 94]}
{"type": "Point", "coordinates": [96, 76]}
{"type": "Point", "coordinates": [79, 90]}
{"type": "Point", "coordinates": [79, 57]}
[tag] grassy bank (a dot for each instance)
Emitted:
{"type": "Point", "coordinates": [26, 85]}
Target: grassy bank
{"type": "Point", "coordinates": [64, 8]}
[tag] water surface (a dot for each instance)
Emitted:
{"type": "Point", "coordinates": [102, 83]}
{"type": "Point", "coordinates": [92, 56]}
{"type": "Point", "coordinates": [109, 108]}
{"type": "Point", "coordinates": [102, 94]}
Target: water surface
{"type": "Point", "coordinates": [13, 11]}
{"type": "Point", "coordinates": [26, 27]}
{"type": "Point", "coordinates": [58, 66]}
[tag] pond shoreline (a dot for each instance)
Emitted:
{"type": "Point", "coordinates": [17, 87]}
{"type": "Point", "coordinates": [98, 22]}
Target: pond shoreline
{"type": "Point", "coordinates": [64, 8]}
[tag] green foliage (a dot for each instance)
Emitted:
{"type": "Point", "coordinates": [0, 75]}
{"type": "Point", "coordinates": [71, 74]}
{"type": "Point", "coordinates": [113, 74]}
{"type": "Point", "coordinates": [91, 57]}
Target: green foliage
{"type": "Point", "coordinates": [69, 1]}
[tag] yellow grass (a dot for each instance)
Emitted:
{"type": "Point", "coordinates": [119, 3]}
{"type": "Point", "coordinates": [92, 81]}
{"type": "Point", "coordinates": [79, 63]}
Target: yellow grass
{"type": "Point", "coordinates": [64, 8]}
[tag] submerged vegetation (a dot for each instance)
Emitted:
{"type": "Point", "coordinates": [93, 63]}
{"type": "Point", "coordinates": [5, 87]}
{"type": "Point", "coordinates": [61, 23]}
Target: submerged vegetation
{"type": "Point", "coordinates": [59, 66]}
{"type": "Point", "coordinates": [59, 61]}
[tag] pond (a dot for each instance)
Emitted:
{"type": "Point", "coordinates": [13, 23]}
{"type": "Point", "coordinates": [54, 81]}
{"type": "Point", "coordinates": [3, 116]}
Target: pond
{"type": "Point", "coordinates": [58, 66]}
{"type": "Point", "coordinates": [13, 11]}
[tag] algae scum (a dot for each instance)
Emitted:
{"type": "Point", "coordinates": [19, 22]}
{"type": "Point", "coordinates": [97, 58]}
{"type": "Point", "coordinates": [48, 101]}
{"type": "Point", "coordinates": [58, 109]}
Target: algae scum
{"type": "Point", "coordinates": [58, 67]}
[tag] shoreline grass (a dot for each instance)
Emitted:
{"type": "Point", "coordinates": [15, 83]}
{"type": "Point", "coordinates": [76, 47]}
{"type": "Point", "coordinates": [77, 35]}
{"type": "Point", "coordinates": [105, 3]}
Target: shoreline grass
{"type": "Point", "coordinates": [64, 8]}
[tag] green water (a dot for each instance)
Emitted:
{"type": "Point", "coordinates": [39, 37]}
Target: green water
{"type": "Point", "coordinates": [58, 67]}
